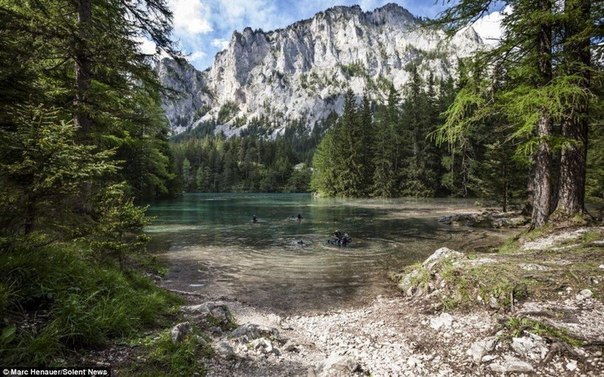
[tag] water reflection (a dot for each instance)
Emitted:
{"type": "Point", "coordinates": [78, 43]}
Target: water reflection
{"type": "Point", "coordinates": [213, 247]}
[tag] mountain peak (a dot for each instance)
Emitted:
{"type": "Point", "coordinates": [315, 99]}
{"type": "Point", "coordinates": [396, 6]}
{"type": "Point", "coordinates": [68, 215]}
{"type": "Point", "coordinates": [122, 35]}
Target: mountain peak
{"type": "Point", "coordinates": [300, 73]}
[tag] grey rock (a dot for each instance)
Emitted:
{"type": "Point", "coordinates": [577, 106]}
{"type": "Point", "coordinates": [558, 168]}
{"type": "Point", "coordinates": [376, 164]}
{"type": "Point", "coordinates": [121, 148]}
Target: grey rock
{"type": "Point", "coordinates": [249, 331]}
{"type": "Point", "coordinates": [215, 331]}
{"type": "Point", "coordinates": [530, 347]}
{"type": "Point", "coordinates": [440, 255]}
{"type": "Point", "coordinates": [218, 311]}
{"type": "Point", "coordinates": [480, 348]}
{"type": "Point", "coordinates": [264, 346]}
{"type": "Point", "coordinates": [511, 364]}
{"type": "Point", "coordinates": [337, 365]}
{"type": "Point", "coordinates": [180, 331]}
{"type": "Point", "coordinates": [443, 321]}
{"type": "Point", "coordinates": [493, 303]}
{"type": "Point", "coordinates": [291, 346]}
{"type": "Point", "coordinates": [584, 294]}
{"type": "Point", "coordinates": [224, 349]}
{"type": "Point", "coordinates": [201, 341]}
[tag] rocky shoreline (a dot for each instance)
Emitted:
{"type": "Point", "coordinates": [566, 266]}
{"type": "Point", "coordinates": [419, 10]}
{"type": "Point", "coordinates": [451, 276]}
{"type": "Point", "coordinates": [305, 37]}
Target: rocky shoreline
{"type": "Point", "coordinates": [412, 335]}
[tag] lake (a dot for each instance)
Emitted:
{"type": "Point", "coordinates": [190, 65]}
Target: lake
{"type": "Point", "coordinates": [212, 246]}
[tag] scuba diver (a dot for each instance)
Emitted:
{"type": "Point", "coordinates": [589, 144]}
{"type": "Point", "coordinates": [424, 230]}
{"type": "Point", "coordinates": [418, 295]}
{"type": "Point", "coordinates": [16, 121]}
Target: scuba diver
{"type": "Point", "coordinates": [342, 239]}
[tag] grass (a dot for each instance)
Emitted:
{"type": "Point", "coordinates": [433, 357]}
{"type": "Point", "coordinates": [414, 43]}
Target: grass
{"type": "Point", "coordinates": [515, 326]}
{"type": "Point", "coordinates": [59, 299]}
{"type": "Point", "coordinates": [161, 357]}
{"type": "Point", "coordinates": [503, 281]}
{"type": "Point", "coordinates": [482, 283]}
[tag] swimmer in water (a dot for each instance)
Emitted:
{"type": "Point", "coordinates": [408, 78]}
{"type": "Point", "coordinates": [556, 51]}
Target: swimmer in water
{"type": "Point", "coordinates": [254, 219]}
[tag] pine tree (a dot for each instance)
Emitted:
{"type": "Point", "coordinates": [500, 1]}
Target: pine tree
{"type": "Point", "coordinates": [324, 175]}
{"type": "Point", "coordinates": [43, 171]}
{"type": "Point", "coordinates": [536, 95]}
{"type": "Point", "coordinates": [349, 150]}
{"type": "Point", "coordinates": [384, 149]}
{"type": "Point", "coordinates": [578, 28]}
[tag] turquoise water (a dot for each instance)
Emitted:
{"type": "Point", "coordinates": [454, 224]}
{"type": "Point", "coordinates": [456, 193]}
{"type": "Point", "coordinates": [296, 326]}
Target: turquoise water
{"type": "Point", "coordinates": [212, 246]}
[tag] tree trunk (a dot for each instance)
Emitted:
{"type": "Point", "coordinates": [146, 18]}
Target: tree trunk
{"type": "Point", "coordinates": [83, 76]}
{"type": "Point", "coordinates": [542, 180]}
{"type": "Point", "coordinates": [571, 191]}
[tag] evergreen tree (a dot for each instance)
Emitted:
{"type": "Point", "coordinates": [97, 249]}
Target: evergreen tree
{"type": "Point", "coordinates": [43, 171]}
{"type": "Point", "coordinates": [384, 152]}
{"type": "Point", "coordinates": [538, 94]}
{"type": "Point", "coordinates": [578, 27]}
{"type": "Point", "coordinates": [350, 151]}
{"type": "Point", "coordinates": [325, 170]}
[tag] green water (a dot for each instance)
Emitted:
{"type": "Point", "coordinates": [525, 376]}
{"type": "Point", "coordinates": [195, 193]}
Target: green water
{"type": "Point", "coordinates": [212, 246]}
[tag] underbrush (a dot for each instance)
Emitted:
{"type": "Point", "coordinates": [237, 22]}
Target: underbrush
{"type": "Point", "coordinates": [501, 280]}
{"type": "Point", "coordinates": [59, 298]}
{"type": "Point", "coordinates": [160, 356]}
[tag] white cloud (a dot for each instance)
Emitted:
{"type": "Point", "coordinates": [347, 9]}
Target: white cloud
{"type": "Point", "coordinates": [220, 43]}
{"type": "Point", "coordinates": [263, 14]}
{"type": "Point", "coordinates": [145, 46]}
{"type": "Point", "coordinates": [370, 5]}
{"type": "Point", "coordinates": [191, 17]}
{"type": "Point", "coordinates": [489, 27]}
{"type": "Point", "coordinates": [196, 55]}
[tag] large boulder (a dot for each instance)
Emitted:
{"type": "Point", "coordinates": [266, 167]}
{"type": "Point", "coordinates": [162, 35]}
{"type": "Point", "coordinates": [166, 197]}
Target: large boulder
{"type": "Point", "coordinates": [441, 255]}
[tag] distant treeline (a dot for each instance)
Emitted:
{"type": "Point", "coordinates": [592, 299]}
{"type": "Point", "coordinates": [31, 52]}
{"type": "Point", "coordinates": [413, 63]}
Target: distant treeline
{"type": "Point", "coordinates": [251, 162]}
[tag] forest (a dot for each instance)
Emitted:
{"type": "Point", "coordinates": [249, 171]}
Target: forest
{"type": "Point", "coordinates": [82, 139]}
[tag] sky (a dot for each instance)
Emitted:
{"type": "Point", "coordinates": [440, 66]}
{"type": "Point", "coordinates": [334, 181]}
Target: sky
{"type": "Point", "coordinates": [204, 27]}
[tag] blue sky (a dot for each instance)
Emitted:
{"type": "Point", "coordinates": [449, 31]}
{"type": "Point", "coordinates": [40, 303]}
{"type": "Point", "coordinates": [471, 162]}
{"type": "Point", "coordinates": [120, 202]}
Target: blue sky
{"type": "Point", "coordinates": [204, 27]}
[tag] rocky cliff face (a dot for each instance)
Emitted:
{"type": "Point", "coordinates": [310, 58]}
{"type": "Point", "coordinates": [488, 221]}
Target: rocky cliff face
{"type": "Point", "coordinates": [301, 72]}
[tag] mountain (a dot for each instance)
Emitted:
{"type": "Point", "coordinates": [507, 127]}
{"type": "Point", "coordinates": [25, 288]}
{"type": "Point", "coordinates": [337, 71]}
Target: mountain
{"type": "Point", "coordinates": [300, 73]}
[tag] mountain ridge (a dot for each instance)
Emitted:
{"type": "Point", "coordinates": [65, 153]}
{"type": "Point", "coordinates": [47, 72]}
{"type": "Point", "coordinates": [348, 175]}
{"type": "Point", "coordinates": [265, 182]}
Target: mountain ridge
{"type": "Point", "coordinates": [299, 73]}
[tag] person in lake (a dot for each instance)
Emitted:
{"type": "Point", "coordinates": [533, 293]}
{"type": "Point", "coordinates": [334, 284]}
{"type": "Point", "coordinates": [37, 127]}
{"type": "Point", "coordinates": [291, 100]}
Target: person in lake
{"type": "Point", "coordinates": [299, 217]}
{"type": "Point", "coordinates": [342, 239]}
{"type": "Point", "coordinates": [254, 219]}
